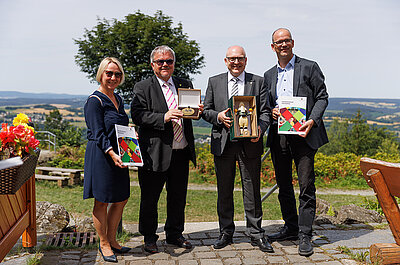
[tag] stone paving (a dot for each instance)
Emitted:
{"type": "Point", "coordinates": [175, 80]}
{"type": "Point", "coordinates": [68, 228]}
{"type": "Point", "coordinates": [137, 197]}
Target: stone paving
{"type": "Point", "coordinates": [326, 240]}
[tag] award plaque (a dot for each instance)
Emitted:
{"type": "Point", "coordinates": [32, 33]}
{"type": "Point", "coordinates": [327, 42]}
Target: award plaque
{"type": "Point", "coordinates": [188, 102]}
{"type": "Point", "coordinates": [244, 115]}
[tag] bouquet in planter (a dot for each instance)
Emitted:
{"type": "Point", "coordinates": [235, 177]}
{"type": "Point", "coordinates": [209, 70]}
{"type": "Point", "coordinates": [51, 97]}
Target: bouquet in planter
{"type": "Point", "coordinates": [19, 139]}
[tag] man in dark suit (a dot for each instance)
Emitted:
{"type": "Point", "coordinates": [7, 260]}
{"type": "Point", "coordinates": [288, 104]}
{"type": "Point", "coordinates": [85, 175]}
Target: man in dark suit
{"type": "Point", "coordinates": [246, 152]}
{"type": "Point", "coordinates": [295, 77]}
{"type": "Point", "coordinates": [167, 144]}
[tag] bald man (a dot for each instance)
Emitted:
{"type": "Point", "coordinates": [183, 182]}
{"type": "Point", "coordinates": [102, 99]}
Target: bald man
{"type": "Point", "coordinates": [247, 153]}
{"type": "Point", "coordinates": [294, 76]}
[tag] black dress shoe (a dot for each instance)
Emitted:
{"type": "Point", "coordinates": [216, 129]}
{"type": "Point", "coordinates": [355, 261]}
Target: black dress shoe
{"type": "Point", "coordinates": [122, 250]}
{"type": "Point", "coordinates": [180, 242]}
{"type": "Point", "coordinates": [151, 247]}
{"type": "Point", "coordinates": [263, 244]}
{"type": "Point", "coordinates": [111, 258]}
{"type": "Point", "coordinates": [223, 241]}
{"type": "Point", "coordinates": [305, 247]}
{"type": "Point", "coordinates": [284, 234]}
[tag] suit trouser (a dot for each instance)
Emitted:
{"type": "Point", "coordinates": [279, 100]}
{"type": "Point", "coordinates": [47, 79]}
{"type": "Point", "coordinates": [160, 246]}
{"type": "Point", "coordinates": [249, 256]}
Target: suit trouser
{"type": "Point", "coordinates": [225, 168]}
{"type": "Point", "coordinates": [151, 185]}
{"type": "Point", "coordinates": [284, 149]}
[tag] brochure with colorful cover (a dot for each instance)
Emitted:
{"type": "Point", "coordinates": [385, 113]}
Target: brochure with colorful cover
{"type": "Point", "coordinates": [128, 146]}
{"type": "Point", "coordinates": [292, 114]}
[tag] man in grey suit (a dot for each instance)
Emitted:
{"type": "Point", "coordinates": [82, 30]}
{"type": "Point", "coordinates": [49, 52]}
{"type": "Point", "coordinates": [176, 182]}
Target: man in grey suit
{"type": "Point", "coordinates": [167, 144]}
{"type": "Point", "coordinates": [246, 152]}
{"type": "Point", "coordinates": [295, 77]}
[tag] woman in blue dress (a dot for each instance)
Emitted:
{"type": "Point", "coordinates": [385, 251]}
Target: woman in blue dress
{"type": "Point", "coordinates": [106, 178]}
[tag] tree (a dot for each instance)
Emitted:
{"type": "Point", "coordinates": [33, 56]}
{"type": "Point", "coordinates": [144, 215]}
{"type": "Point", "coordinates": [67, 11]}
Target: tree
{"type": "Point", "coordinates": [66, 133]}
{"type": "Point", "coordinates": [131, 41]}
{"type": "Point", "coordinates": [356, 136]}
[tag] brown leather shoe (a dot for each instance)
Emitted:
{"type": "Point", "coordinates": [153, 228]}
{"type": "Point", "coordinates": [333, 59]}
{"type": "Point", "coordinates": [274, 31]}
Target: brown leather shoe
{"type": "Point", "coordinates": [151, 247]}
{"type": "Point", "coordinates": [180, 242]}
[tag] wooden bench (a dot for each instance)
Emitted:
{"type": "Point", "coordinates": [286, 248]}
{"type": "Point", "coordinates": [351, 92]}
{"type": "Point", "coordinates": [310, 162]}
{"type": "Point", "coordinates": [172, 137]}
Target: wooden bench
{"type": "Point", "coordinates": [384, 178]}
{"type": "Point", "coordinates": [74, 175]}
{"type": "Point", "coordinates": [61, 181]}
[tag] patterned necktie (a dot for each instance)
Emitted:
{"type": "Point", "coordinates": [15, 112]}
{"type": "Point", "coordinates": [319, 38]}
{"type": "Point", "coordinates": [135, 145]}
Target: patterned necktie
{"type": "Point", "coordinates": [176, 124]}
{"type": "Point", "coordinates": [235, 87]}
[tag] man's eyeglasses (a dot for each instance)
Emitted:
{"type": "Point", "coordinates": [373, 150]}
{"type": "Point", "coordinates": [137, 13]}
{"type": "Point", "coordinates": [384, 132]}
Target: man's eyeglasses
{"type": "Point", "coordinates": [280, 42]}
{"type": "Point", "coordinates": [111, 73]}
{"type": "Point", "coordinates": [233, 59]}
{"type": "Point", "coordinates": [161, 62]}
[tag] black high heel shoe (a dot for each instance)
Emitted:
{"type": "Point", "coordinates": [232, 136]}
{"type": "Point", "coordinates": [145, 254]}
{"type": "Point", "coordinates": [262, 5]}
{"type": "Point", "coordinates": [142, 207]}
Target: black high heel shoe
{"type": "Point", "coordinates": [122, 250]}
{"type": "Point", "coordinates": [111, 258]}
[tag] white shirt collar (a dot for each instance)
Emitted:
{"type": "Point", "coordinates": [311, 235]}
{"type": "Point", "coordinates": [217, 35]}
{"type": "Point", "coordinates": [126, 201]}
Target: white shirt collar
{"type": "Point", "coordinates": [240, 77]}
{"type": "Point", "coordinates": [162, 82]}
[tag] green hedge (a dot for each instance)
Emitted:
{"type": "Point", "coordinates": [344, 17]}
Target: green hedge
{"type": "Point", "coordinates": [339, 170]}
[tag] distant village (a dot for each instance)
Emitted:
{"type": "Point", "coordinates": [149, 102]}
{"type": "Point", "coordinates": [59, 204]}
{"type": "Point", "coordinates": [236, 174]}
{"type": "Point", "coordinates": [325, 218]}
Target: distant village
{"type": "Point", "coordinates": [380, 112]}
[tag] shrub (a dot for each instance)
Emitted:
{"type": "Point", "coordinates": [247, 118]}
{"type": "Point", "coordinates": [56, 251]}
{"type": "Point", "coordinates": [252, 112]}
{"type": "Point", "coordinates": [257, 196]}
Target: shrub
{"type": "Point", "coordinates": [338, 170]}
{"type": "Point", "coordinates": [205, 164]}
{"type": "Point", "coordinates": [342, 169]}
{"type": "Point", "coordinates": [69, 157]}
{"type": "Point", "coordinates": [205, 171]}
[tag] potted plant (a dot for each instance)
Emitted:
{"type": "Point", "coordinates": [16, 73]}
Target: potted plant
{"type": "Point", "coordinates": [18, 154]}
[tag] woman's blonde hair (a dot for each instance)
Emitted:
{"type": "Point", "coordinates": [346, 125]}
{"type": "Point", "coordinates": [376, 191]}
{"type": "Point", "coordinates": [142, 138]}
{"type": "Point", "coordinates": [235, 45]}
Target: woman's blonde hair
{"type": "Point", "coordinates": [103, 65]}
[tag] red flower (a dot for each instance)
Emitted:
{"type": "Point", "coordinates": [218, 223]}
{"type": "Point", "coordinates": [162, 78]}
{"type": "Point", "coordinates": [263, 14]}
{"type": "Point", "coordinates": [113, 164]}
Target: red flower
{"type": "Point", "coordinates": [19, 131]}
{"type": "Point", "coordinates": [17, 140]}
{"type": "Point", "coordinates": [7, 137]}
{"type": "Point", "coordinates": [33, 143]}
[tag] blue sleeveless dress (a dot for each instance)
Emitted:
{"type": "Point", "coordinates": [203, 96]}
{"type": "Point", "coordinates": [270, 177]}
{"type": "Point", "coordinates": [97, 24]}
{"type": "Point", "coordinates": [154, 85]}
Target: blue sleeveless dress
{"type": "Point", "coordinates": [102, 179]}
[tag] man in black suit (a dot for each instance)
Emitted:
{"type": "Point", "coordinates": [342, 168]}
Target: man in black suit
{"type": "Point", "coordinates": [295, 77]}
{"type": "Point", "coordinates": [167, 144]}
{"type": "Point", "coordinates": [246, 152]}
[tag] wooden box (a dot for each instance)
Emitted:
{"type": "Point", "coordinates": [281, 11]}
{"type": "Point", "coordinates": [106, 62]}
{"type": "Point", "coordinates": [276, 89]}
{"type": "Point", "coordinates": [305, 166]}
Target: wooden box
{"type": "Point", "coordinates": [244, 115]}
{"type": "Point", "coordinates": [188, 102]}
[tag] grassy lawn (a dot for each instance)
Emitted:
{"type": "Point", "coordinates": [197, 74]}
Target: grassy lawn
{"type": "Point", "coordinates": [201, 130]}
{"type": "Point", "coordinates": [201, 204]}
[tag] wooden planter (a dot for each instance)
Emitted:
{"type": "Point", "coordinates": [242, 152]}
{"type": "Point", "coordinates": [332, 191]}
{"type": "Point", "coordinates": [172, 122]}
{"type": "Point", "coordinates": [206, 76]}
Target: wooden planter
{"type": "Point", "coordinates": [18, 205]}
{"type": "Point", "coordinates": [12, 178]}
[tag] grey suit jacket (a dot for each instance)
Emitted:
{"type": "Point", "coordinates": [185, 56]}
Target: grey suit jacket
{"type": "Point", "coordinates": [308, 81]}
{"type": "Point", "coordinates": [155, 137]}
{"type": "Point", "coordinates": [216, 100]}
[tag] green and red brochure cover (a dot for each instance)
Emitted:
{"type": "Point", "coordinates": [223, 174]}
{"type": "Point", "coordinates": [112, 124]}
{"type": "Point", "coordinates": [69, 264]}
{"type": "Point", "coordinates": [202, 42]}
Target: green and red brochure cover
{"type": "Point", "coordinates": [292, 114]}
{"type": "Point", "coordinates": [128, 145]}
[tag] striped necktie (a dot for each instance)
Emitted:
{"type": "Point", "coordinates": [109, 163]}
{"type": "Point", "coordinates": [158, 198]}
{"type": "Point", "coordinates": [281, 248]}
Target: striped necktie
{"type": "Point", "coordinates": [235, 87]}
{"type": "Point", "coordinates": [176, 124]}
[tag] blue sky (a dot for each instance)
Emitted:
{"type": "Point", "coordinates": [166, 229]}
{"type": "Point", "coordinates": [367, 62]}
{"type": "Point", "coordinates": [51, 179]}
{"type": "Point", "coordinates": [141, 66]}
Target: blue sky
{"type": "Point", "coordinates": [355, 42]}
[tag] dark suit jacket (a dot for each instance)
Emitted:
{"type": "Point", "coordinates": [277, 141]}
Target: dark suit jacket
{"type": "Point", "coordinates": [216, 100]}
{"type": "Point", "coordinates": [155, 137]}
{"type": "Point", "coordinates": [308, 81]}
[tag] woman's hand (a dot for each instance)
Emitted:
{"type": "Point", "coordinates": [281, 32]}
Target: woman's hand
{"type": "Point", "coordinates": [117, 159]}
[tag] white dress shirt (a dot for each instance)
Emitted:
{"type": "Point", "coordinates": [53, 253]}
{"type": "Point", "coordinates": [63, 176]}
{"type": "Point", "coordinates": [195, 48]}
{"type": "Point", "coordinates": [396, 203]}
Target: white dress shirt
{"type": "Point", "coordinates": [240, 84]}
{"type": "Point", "coordinates": [183, 143]}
